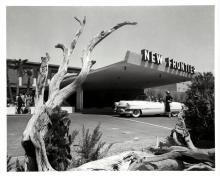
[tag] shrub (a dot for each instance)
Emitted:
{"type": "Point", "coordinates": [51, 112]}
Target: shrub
{"type": "Point", "coordinates": [58, 143]}
{"type": "Point", "coordinates": [19, 167]}
{"type": "Point", "coordinates": [58, 140]}
{"type": "Point", "coordinates": [9, 163]}
{"type": "Point", "coordinates": [14, 166]}
{"type": "Point", "coordinates": [201, 113]}
{"type": "Point", "coordinates": [91, 147]}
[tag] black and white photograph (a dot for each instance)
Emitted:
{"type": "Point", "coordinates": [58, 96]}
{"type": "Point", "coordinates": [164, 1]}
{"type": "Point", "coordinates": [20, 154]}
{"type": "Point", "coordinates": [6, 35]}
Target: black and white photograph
{"type": "Point", "coordinates": [110, 88]}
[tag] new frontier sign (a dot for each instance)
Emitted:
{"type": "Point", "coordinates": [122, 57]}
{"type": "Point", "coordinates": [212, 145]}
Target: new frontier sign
{"type": "Point", "coordinates": [152, 57]}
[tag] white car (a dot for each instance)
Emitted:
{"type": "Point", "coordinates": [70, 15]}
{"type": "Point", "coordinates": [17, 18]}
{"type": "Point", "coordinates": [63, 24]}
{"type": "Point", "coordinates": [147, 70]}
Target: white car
{"type": "Point", "coordinates": [136, 108]}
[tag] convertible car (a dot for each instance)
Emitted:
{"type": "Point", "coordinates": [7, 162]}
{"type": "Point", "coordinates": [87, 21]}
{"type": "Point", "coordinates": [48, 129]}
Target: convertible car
{"type": "Point", "coordinates": [136, 108]}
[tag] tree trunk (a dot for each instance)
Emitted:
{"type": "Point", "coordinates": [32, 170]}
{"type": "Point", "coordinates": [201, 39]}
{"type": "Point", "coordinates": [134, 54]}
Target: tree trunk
{"type": "Point", "coordinates": [123, 162]}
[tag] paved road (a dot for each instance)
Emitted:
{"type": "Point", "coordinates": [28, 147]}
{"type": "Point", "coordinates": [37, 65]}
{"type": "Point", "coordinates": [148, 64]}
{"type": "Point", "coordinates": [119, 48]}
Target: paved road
{"type": "Point", "coordinates": [115, 129]}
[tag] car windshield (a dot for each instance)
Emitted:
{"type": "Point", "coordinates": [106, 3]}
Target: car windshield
{"type": "Point", "coordinates": [141, 97]}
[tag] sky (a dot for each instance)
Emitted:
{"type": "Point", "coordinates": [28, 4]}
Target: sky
{"type": "Point", "coordinates": [185, 33]}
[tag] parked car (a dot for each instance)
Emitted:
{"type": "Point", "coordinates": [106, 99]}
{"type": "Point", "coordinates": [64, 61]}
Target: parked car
{"type": "Point", "coordinates": [138, 107]}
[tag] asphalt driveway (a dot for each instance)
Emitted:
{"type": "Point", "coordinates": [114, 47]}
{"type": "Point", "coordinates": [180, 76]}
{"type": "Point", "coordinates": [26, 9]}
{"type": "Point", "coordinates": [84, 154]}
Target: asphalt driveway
{"type": "Point", "coordinates": [115, 129]}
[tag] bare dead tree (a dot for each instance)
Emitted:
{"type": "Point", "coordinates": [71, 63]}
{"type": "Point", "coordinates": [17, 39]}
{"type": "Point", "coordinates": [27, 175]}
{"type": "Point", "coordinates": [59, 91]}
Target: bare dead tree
{"type": "Point", "coordinates": [33, 135]}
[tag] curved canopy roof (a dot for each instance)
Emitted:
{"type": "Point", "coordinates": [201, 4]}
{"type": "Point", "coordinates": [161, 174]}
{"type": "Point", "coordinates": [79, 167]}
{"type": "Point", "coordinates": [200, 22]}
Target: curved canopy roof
{"type": "Point", "coordinates": [133, 73]}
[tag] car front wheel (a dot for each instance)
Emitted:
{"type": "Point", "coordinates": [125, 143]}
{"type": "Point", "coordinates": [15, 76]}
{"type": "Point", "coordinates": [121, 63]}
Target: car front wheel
{"type": "Point", "coordinates": [136, 113]}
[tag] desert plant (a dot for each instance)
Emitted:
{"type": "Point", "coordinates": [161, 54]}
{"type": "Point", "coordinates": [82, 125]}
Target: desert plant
{"type": "Point", "coordinates": [9, 163]}
{"type": "Point", "coordinates": [58, 140]}
{"type": "Point", "coordinates": [19, 167]}
{"type": "Point", "coordinates": [58, 143]}
{"type": "Point", "coordinates": [200, 114]}
{"type": "Point", "coordinates": [91, 147]}
{"type": "Point", "coordinates": [14, 166]}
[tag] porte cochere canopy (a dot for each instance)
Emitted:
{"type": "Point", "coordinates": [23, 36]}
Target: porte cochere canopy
{"type": "Point", "coordinates": [134, 73]}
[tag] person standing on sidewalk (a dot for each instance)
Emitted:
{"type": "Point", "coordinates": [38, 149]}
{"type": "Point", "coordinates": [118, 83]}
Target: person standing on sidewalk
{"type": "Point", "coordinates": [168, 100]}
{"type": "Point", "coordinates": [19, 104]}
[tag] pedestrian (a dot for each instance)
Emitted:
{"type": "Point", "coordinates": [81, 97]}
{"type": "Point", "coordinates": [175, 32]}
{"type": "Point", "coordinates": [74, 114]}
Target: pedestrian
{"type": "Point", "coordinates": [19, 104]}
{"type": "Point", "coordinates": [168, 100]}
{"type": "Point", "coordinates": [28, 103]}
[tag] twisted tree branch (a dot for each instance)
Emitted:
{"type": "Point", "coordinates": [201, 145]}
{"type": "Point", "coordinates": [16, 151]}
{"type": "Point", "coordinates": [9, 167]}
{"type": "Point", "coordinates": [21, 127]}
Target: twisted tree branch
{"type": "Point", "coordinates": [78, 33]}
{"type": "Point", "coordinates": [59, 76]}
{"type": "Point", "coordinates": [42, 80]}
{"type": "Point", "coordinates": [86, 60]}
{"type": "Point", "coordinates": [61, 46]}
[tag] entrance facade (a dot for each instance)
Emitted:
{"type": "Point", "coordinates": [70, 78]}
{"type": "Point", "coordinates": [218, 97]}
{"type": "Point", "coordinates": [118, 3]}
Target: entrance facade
{"type": "Point", "coordinates": [127, 79]}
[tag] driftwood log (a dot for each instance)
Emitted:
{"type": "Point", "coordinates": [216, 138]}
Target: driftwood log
{"type": "Point", "coordinates": [162, 157]}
